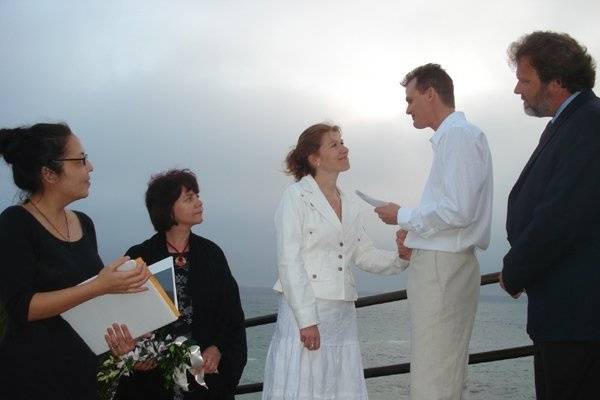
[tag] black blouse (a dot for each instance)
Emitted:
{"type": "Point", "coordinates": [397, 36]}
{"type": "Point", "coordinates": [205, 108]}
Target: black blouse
{"type": "Point", "coordinates": [43, 359]}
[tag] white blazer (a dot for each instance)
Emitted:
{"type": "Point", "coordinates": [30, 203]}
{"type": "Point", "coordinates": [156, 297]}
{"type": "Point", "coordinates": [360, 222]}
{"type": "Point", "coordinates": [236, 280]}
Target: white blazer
{"type": "Point", "coordinates": [315, 250]}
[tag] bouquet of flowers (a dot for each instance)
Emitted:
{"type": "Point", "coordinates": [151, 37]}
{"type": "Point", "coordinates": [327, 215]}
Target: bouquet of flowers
{"type": "Point", "coordinates": [173, 357]}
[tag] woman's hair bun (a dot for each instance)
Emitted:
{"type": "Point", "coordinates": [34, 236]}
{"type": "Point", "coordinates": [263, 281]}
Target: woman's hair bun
{"type": "Point", "coordinates": [10, 144]}
{"type": "Point", "coordinates": [29, 149]}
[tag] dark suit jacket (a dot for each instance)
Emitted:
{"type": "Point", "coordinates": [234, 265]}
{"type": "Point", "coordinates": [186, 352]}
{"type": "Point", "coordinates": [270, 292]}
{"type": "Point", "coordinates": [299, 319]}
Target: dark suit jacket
{"type": "Point", "coordinates": [553, 226]}
{"type": "Point", "coordinates": [218, 318]}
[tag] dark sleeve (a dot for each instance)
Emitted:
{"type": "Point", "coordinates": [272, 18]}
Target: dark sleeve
{"type": "Point", "coordinates": [231, 330]}
{"type": "Point", "coordinates": [567, 214]}
{"type": "Point", "coordinates": [18, 271]}
{"type": "Point", "coordinates": [143, 250]}
{"type": "Point", "coordinates": [133, 252]}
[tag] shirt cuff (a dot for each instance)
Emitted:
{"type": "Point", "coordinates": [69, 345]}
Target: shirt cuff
{"type": "Point", "coordinates": [306, 317]}
{"type": "Point", "coordinates": [404, 216]}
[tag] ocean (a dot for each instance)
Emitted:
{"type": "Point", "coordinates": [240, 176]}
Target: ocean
{"type": "Point", "coordinates": [384, 335]}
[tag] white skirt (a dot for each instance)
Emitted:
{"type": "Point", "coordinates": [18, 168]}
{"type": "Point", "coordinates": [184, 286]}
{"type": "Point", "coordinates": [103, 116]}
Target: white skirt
{"type": "Point", "coordinates": [333, 372]}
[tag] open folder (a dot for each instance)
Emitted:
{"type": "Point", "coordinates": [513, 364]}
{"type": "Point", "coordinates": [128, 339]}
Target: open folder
{"type": "Point", "coordinates": [142, 312]}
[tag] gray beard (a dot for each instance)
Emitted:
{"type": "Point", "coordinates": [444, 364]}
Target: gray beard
{"type": "Point", "coordinates": [531, 111]}
{"type": "Point", "coordinates": [541, 108]}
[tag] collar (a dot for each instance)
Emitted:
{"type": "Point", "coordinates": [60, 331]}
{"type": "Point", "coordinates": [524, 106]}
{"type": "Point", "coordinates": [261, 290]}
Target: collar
{"type": "Point", "coordinates": [455, 118]}
{"type": "Point", "coordinates": [309, 184]}
{"type": "Point", "coordinates": [564, 105]}
{"type": "Point", "coordinates": [315, 198]}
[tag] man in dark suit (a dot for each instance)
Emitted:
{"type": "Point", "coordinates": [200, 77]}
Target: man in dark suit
{"type": "Point", "coordinates": [553, 220]}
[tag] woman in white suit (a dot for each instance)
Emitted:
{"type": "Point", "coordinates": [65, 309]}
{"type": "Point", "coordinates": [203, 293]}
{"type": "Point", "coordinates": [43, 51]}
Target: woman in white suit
{"type": "Point", "coordinates": [314, 352]}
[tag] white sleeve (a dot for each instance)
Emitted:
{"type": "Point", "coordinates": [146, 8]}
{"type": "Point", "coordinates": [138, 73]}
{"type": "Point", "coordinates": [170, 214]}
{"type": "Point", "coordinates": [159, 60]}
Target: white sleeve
{"type": "Point", "coordinates": [371, 259]}
{"type": "Point", "coordinates": [464, 162]}
{"type": "Point", "coordinates": [296, 285]}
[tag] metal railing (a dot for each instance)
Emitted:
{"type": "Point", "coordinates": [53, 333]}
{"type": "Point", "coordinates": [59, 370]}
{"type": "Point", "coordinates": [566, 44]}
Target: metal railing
{"type": "Point", "coordinates": [396, 369]}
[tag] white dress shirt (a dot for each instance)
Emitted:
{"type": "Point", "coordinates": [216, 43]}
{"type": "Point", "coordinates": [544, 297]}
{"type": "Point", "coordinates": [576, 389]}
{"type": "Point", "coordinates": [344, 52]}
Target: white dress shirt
{"type": "Point", "coordinates": [455, 212]}
{"type": "Point", "coordinates": [315, 250]}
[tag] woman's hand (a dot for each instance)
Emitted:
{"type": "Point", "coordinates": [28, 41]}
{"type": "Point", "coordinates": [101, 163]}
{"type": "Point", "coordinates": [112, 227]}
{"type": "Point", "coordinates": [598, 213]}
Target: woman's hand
{"type": "Point", "coordinates": [310, 337]}
{"type": "Point", "coordinates": [145, 365]}
{"type": "Point", "coordinates": [212, 357]}
{"type": "Point", "coordinates": [119, 340]}
{"type": "Point", "coordinates": [111, 280]}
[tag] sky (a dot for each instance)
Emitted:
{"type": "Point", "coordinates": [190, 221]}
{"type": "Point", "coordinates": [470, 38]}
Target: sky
{"type": "Point", "coordinates": [226, 87]}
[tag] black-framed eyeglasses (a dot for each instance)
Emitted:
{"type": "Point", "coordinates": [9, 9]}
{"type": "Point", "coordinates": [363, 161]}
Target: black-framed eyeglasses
{"type": "Point", "coordinates": [83, 159]}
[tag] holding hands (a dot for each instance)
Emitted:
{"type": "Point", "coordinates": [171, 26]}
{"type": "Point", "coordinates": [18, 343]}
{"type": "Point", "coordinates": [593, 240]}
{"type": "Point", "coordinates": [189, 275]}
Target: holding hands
{"type": "Point", "coordinates": [388, 213]}
{"type": "Point", "coordinates": [403, 251]}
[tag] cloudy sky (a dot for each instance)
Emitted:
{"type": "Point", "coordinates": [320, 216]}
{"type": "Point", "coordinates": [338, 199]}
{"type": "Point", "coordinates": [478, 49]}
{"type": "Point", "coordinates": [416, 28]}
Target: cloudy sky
{"type": "Point", "coordinates": [226, 87]}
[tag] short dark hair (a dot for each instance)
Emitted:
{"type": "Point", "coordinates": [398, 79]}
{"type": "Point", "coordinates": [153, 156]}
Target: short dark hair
{"type": "Point", "coordinates": [309, 143]}
{"type": "Point", "coordinates": [556, 56]}
{"type": "Point", "coordinates": [28, 149]}
{"type": "Point", "coordinates": [163, 191]}
{"type": "Point", "coordinates": [432, 75]}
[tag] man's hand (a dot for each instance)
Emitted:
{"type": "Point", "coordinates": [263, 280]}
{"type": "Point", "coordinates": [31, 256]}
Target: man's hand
{"type": "Point", "coordinates": [403, 251]}
{"type": "Point", "coordinates": [501, 282]}
{"type": "Point", "coordinates": [388, 213]}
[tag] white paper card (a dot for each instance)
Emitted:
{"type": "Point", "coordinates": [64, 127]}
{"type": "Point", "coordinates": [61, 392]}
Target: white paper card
{"type": "Point", "coordinates": [371, 200]}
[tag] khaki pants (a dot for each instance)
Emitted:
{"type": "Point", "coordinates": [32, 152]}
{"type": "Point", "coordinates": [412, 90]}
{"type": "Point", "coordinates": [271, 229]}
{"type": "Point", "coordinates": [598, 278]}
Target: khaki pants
{"type": "Point", "coordinates": [443, 290]}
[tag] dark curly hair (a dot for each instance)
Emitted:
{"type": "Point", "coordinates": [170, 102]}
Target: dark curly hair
{"type": "Point", "coordinates": [163, 191]}
{"type": "Point", "coordinates": [556, 56]}
{"type": "Point", "coordinates": [309, 143]}
{"type": "Point", "coordinates": [432, 75]}
{"type": "Point", "coordinates": [28, 149]}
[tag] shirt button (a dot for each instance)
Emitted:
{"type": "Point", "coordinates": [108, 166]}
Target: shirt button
{"type": "Point", "coordinates": [314, 276]}
{"type": "Point", "coordinates": [340, 268]}
{"type": "Point", "coordinates": [341, 244]}
{"type": "Point", "coordinates": [359, 239]}
{"type": "Point", "coordinates": [340, 256]}
{"type": "Point", "coordinates": [310, 232]}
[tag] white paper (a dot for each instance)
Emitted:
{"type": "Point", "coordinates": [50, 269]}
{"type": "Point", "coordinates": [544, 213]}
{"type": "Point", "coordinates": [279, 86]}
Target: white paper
{"type": "Point", "coordinates": [371, 200]}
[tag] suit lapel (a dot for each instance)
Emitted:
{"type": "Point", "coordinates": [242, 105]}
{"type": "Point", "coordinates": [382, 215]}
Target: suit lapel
{"type": "Point", "coordinates": [547, 136]}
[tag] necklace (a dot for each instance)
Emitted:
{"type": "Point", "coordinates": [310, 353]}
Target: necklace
{"type": "Point", "coordinates": [68, 237]}
{"type": "Point", "coordinates": [180, 259]}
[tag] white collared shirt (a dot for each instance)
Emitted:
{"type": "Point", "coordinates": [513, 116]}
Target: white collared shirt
{"type": "Point", "coordinates": [455, 212]}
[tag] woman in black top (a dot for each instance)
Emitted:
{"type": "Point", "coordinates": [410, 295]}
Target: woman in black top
{"type": "Point", "coordinates": [207, 293]}
{"type": "Point", "coordinates": [47, 250]}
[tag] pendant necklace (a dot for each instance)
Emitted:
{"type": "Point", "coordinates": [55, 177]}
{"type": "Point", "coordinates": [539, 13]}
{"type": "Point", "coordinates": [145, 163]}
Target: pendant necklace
{"type": "Point", "coordinates": [68, 237]}
{"type": "Point", "coordinates": [180, 259]}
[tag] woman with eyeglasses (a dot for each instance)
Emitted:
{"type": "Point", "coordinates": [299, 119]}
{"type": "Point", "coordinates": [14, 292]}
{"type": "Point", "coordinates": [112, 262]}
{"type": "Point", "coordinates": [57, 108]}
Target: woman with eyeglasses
{"type": "Point", "coordinates": [47, 251]}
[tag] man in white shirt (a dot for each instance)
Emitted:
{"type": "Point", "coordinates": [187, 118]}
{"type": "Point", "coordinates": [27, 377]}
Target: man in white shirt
{"type": "Point", "coordinates": [451, 221]}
